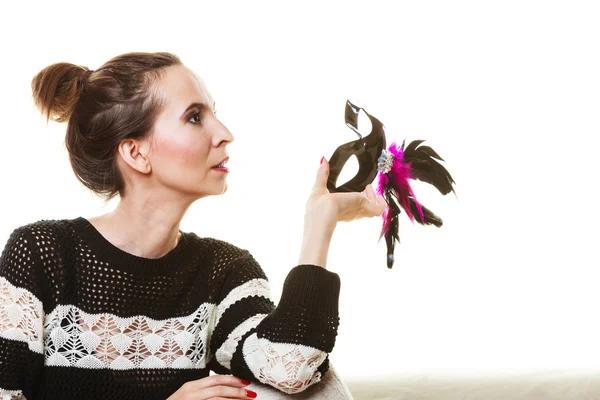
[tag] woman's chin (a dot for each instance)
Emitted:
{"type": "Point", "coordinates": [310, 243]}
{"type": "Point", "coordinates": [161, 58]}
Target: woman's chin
{"type": "Point", "coordinates": [219, 188]}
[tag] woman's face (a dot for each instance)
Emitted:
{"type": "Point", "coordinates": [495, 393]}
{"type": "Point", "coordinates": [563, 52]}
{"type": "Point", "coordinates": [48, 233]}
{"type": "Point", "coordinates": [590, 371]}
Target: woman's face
{"type": "Point", "coordinates": [188, 139]}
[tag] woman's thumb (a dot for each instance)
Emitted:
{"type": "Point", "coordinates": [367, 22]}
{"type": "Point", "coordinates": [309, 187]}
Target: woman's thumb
{"type": "Point", "coordinates": [322, 174]}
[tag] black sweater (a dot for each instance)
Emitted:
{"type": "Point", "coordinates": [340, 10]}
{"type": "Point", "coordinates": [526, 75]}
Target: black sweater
{"type": "Point", "coordinates": [82, 319]}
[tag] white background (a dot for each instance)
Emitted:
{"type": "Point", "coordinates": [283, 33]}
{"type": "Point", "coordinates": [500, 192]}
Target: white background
{"type": "Point", "coordinates": [508, 92]}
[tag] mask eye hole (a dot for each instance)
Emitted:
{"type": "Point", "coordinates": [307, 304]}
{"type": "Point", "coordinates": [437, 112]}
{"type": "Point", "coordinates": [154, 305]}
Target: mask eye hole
{"type": "Point", "coordinates": [364, 124]}
{"type": "Point", "coordinates": [348, 172]}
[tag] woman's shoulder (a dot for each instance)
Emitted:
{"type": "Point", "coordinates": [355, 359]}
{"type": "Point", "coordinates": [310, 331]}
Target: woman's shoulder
{"type": "Point", "coordinates": [220, 250]}
{"type": "Point", "coordinates": [25, 252]}
{"type": "Point", "coordinates": [43, 237]}
{"type": "Point", "coordinates": [40, 230]}
{"type": "Point", "coordinates": [47, 224]}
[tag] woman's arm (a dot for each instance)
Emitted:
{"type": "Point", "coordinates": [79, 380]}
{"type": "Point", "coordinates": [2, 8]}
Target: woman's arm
{"type": "Point", "coordinates": [316, 241]}
{"type": "Point", "coordinates": [285, 346]}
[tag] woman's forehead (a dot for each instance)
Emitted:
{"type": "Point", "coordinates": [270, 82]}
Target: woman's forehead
{"type": "Point", "coordinates": [179, 87]}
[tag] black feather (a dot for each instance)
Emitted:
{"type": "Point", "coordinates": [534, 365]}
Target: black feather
{"type": "Point", "coordinates": [425, 168]}
{"type": "Point", "coordinates": [424, 149]}
{"type": "Point", "coordinates": [429, 217]}
{"type": "Point", "coordinates": [391, 236]}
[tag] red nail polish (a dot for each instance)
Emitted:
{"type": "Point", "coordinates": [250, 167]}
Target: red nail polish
{"type": "Point", "coordinates": [322, 159]}
{"type": "Point", "coordinates": [245, 382]}
{"type": "Point", "coordinates": [250, 394]}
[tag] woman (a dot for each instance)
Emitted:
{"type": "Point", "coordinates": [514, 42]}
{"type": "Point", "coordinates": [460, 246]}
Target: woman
{"type": "Point", "coordinates": [126, 305]}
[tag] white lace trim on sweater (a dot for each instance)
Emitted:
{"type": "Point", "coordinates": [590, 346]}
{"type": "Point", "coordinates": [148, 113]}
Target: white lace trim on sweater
{"type": "Point", "coordinates": [11, 394]}
{"type": "Point", "coordinates": [21, 316]}
{"type": "Point", "coordinates": [225, 353]}
{"type": "Point", "coordinates": [254, 287]}
{"type": "Point", "coordinates": [287, 367]}
{"type": "Point", "coordinates": [77, 338]}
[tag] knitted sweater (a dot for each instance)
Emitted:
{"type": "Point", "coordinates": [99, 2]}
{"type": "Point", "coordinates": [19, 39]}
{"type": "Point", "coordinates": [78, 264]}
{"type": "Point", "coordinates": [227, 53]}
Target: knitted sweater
{"type": "Point", "coordinates": [82, 319]}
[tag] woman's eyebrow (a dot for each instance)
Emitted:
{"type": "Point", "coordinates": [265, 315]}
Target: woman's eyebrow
{"type": "Point", "coordinates": [201, 106]}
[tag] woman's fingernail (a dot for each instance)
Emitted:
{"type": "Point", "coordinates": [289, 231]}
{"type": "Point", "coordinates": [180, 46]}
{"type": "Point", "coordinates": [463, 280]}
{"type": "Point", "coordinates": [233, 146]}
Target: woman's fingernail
{"type": "Point", "coordinates": [245, 382]}
{"type": "Point", "coordinates": [322, 159]}
{"type": "Point", "coordinates": [250, 394]}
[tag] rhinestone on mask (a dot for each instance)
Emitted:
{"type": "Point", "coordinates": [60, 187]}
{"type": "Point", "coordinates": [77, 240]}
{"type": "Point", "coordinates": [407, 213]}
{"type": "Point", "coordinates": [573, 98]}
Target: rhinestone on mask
{"type": "Point", "coordinates": [385, 161]}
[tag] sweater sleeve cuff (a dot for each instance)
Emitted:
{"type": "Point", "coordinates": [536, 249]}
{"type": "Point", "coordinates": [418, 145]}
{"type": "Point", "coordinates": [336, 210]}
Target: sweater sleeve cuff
{"type": "Point", "coordinates": [314, 288]}
{"type": "Point", "coordinates": [307, 312]}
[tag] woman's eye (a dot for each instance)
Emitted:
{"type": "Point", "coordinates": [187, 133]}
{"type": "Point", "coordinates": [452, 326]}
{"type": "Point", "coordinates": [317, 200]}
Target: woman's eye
{"type": "Point", "coordinates": [195, 118]}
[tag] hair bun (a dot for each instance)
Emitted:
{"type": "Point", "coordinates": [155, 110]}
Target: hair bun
{"type": "Point", "coordinates": [56, 89]}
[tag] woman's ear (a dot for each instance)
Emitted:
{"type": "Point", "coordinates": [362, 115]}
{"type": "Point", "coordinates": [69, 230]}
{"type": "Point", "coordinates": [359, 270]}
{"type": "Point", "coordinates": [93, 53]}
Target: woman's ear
{"type": "Point", "coordinates": [134, 153]}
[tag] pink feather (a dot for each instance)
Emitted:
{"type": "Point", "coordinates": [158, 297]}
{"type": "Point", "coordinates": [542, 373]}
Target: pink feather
{"type": "Point", "coordinates": [398, 177]}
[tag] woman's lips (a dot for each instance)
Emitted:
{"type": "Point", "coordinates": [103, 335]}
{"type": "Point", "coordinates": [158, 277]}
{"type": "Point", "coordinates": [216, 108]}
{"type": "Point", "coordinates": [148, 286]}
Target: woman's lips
{"type": "Point", "coordinates": [220, 169]}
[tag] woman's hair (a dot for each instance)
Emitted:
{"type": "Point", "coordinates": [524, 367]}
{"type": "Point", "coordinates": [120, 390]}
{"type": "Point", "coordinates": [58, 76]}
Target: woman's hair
{"type": "Point", "coordinates": [115, 102]}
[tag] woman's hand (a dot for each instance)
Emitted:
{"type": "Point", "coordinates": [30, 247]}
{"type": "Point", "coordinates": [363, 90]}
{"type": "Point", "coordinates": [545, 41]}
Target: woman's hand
{"type": "Point", "coordinates": [214, 387]}
{"type": "Point", "coordinates": [324, 210]}
{"type": "Point", "coordinates": [334, 207]}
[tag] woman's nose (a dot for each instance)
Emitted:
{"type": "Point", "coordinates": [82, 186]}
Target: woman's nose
{"type": "Point", "coordinates": [223, 135]}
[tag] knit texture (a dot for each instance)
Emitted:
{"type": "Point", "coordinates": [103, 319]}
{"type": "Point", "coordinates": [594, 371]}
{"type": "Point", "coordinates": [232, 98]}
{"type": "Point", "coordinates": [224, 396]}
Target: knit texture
{"type": "Point", "coordinates": [82, 319]}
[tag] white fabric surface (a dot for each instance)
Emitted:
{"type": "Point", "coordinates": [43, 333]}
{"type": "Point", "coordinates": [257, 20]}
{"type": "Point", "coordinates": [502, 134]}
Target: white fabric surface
{"type": "Point", "coordinates": [541, 385]}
